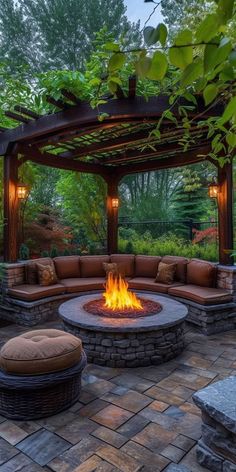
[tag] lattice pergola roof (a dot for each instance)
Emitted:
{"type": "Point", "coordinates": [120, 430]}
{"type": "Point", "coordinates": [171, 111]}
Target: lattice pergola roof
{"type": "Point", "coordinates": [73, 138]}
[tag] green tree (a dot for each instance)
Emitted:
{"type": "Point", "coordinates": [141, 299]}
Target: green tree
{"type": "Point", "coordinates": [58, 34]}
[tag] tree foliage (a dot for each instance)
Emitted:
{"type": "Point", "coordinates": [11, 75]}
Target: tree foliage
{"type": "Point", "coordinates": [58, 34]}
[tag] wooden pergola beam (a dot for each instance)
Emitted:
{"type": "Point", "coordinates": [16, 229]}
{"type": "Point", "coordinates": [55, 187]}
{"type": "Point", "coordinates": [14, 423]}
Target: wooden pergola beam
{"type": "Point", "coordinates": [17, 117]}
{"type": "Point", "coordinates": [82, 115]}
{"type": "Point", "coordinates": [179, 160]}
{"type": "Point", "coordinates": [47, 159]}
{"type": "Point", "coordinates": [132, 86]}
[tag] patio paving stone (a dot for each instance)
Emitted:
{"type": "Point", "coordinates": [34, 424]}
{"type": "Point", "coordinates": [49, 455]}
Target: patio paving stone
{"type": "Point", "coordinates": [76, 455]}
{"type": "Point", "coordinates": [133, 382]}
{"type": "Point", "coordinates": [92, 408]}
{"type": "Point", "coordinates": [112, 416]}
{"type": "Point", "coordinates": [131, 400]}
{"type": "Point", "coordinates": [20, 463]}
{"type": "Point", "coordinates": [154, 437]}
{"type": "Point", "coordinates": [43, 446]}
{"type": "Point", "coordinates": [11, 432]}
{"type": "Point", "coordinates": [183, 442]}
{"type": "Point", "coordinates": [76, 430]}
{"type": "Point", "coordinates": [7, 451]}
{"type": "Point", "coordinates": [154, 462]}
{"type": "Point", "coordinates": [111, 437]}
{"type": "Point", "coordinates": [164, 396]}
{"type": "Point", "coordinates": [119, 459]}
{"type": "Point", "coordinates": [125, 420]}
{"type": "Point", "coordinates": [173, 453]}
{"type": "Point", "coordinates": [133, 426]}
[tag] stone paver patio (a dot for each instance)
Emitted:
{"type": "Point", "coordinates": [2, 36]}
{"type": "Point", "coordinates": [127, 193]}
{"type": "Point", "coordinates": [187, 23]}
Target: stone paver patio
{"type": "Point", "coordinates": [127, 420]}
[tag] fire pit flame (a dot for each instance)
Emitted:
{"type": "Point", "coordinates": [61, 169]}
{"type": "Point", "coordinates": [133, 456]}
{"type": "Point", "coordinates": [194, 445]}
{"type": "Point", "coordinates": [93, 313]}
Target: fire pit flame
{"type": "Point", "coordinates": [117, 296]}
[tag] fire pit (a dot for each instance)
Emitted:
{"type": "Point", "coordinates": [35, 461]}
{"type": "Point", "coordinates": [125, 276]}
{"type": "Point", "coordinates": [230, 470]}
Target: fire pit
{"type": "Point", "coordinates": [151, 334]}
{"type": "Point", "coordinates": [120, 302]}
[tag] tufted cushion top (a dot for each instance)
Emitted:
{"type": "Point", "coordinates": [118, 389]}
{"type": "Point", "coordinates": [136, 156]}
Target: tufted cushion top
{"type": "Point", "coordinates": [40, 352]}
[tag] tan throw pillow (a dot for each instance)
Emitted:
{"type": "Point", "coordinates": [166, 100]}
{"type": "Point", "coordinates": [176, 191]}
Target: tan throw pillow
{"type": "Point", "coordinates": [165, 273]}
{"type": "Point", "coordinates": [46, 274]}
{"type": "Point", "coordinates": [110, 267]}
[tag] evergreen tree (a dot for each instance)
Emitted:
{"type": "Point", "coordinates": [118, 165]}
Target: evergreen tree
{"type": "Point", "coordinates": [59, 34]}
{"type": "Point", "coordinates": [190, 203]}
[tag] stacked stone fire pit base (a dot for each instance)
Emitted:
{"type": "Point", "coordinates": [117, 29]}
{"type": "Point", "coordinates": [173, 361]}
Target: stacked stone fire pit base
{"type": "Point", "coordinates": [217, 447]}
{"type": "Point", "coordinates": [127, 342]}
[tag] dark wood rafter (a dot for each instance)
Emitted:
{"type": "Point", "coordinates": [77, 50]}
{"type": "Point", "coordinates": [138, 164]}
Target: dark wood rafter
{"type": "Point", "coordinates": [70, 96]}
{"type": "Point", "coordinates": [27, 112]}
{"type": "Point", "coordinates": [56, 103]}
{"type": "Point", "coordinates": [178, 160]}
{"type": "Point", "coordinates": [17, 117]}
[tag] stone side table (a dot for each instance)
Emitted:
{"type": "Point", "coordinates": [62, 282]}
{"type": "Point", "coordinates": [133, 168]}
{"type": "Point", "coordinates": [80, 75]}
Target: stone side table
{"type": "Point", "coordinates": [217, 448]}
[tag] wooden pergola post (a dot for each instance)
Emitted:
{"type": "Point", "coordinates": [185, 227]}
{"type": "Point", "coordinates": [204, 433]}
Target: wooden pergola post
{"type": "Point", "coordinates": [112, 215]}
{"type": "Point", "coordinates": [225, 213]}
{"type": "Point", "coordinates": [11, 205]}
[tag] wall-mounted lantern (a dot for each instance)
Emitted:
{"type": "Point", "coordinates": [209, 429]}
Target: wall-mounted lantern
{"type": "Point", "coordinates": [115, 202]}
{"type": "Point", "coordinates": [213, 190]}
{"type": "Point", "coordinates": [22, 191]}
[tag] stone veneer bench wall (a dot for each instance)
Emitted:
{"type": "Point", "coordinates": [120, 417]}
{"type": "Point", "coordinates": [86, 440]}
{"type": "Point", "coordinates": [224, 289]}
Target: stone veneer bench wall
{"type": "Point", "coordinates": [141, 271]}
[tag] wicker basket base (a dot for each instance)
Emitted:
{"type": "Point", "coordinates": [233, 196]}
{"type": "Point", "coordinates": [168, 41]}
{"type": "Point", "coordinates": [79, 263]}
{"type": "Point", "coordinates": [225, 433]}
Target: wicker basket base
{"type": "Point", "coordinates": [39, 396]}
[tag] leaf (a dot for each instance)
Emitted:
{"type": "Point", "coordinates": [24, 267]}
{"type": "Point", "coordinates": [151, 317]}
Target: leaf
{"type": "Point", "coordinates": [151, 35]}
{"type": "Point", "coordinates": [112, 47]}
{"type": "Point", "coordinates": [225, 10]}
{"type": "Point", "coordinates": [210, 93]}
{"type": "Point", "coordinates": [208, 28]}
{"type": "Point", "coordinates": [182, 56]}
{"type": "Point", "coordinates": [231, 139]}
{"type": "Point", "coordinates": [117, 80]}
{"type": "Point", "coordinates": [214, 55]}
{"type": "Point", "coordinates": [158, 66]}
{"type": "Point", "coordinates": [163, 33]}
{"type": "Point", "coordinates": [192, 72]}
{"type": "Point", "coordinates": [143, 65]}
{"type": "Point", "coordinates": [102, 116]}
{"type": "Point", "coordinates": [232, 58]}
{"type": "Point", "coordinates": [229, 111]}
{"type": "Point", "coordinates": [116, 61]}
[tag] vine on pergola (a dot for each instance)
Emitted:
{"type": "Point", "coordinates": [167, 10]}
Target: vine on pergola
{"type": "Point", "coordinates": [202, 63]}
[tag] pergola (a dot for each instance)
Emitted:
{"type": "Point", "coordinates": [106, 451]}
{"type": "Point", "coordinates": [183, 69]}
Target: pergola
{"type": "Point", "coordinates": [74, 139]}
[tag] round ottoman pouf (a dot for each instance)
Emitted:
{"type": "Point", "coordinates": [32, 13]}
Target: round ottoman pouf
{"type": "Point", "coordinates": [40, 374]}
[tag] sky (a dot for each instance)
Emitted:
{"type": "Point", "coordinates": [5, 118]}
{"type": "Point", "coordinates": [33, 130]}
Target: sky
{"type": "Point", "coordinates": [138, 10]}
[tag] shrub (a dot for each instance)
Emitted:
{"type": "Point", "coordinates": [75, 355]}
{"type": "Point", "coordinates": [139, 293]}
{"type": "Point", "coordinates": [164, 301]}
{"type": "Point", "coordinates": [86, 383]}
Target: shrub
{"type": "Point", "coordinates": [54, 251]}
{"type": "Point", "coordinates": [129, 247]}
{"type": "Point", "coordinates": [44, 254]}
{"type": "Point", "coordinates": [171, 245]}
{"type": "Point", "coordinates": [24, 253]}
{"type": "Point", "coordinates": [66, 252]}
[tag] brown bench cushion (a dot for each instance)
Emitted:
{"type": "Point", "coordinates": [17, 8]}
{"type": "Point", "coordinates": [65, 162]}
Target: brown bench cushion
{"type": "Point", "coordinates": [83, 284]}
{"type": "Point", "coordinates": [201, 273]}
{"type": "Point", "coordinates": [40, 352]}
{"type": "Point", "coordinates": [202, 295]}
{"type": "Point", "coordinates": [30, 293]}
{"type": "Point", "coordinates": [146, 266]}
{"type": "Point", "coordinates": [125, 263]}
{"type": "Point", "coordinates": [181, 267]}
{"type": "Point", "coordinates": [67, 266]}
{"type": "Point", "coordinates": [92, 266]}
{"type": "Point", "coordinates": [146, 283]}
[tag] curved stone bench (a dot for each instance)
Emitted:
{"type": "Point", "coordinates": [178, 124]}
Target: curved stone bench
{"type": "Point", "coordinates": [211, 308]}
